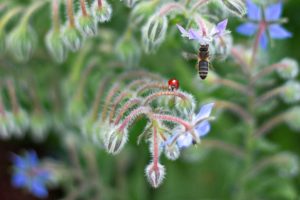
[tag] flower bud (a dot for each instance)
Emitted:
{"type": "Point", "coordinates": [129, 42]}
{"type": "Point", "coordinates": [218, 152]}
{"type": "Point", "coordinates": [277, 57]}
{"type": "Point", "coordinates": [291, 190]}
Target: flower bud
{"type": "Point", "coordinates": [155, 174]}
{"type": "Point", "coordinates": [186, 105]}
{"type": "Point", "coordinates": [291, 92]}
{"type": "Point", "coordinates": [86, 25]}
{"type": "Point", "coordinates": [39, 126]}
{"type": "Point", "coordinates": [128, 50]}
{"type": "Point", "coordinates": [293, 118]}
{"type": "Point", "coordinates": [154, 32]}
{"type": "Point", "coordinates": [115, 140]}
{"type": "Point", "coordinates": [130, 3]}
{"type": "Point", "coordinates": [288, 69]}
{"type": "Point", "coordinates": [172, 151]}
{"type": "Point", "coordinates": [102, 13]}
{"type": "Point", "coordinates": [72, 38]}
{"type": "Point", "coordinates": [21, 42]}
{"type": "Point", "coordinates": [236, 7]}
{"type": "Point", "coordinates": [55, 46]}
{"type": "Point", "coordinates": [141, 12]}
{"type": "Point", "coordinates": [5, 125]}
{"type": "Point", "coordinates": [288, 164]}
{"type": "Point", "coordinates": [21, 122]}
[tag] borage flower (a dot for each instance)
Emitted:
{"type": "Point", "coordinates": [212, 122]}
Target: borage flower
{"type": "Point", "coordinates": [29, 174]}
{"type": "Point", "coordinates": [265, 22]}
{"type": "Point", "coordinates": [201, 127]}
{"type": "Point", "coordinates": [202, 35]}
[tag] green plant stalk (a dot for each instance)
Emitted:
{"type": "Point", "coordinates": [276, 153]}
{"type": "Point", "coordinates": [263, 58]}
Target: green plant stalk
{"type": "Point", "coordinates": [31, 10]}
{"type": "Point", "coordinates": [8, 16]}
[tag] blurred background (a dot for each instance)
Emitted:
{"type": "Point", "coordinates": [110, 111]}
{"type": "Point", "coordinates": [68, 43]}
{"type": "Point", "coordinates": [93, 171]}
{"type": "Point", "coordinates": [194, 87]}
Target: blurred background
{"type": "Point", "coordinates": [228, 164]}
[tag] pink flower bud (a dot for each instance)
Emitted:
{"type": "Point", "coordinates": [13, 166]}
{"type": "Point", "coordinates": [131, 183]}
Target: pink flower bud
{"type": "Point", "coordinates": [155, 173]}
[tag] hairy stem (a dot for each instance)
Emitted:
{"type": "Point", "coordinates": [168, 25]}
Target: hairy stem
{"type": "Point", "coordinates": [240, 111]}
{"type": "Point", "coordinates": [116, 103]}
{"type": "Point", "coordinates": [170, 7]}
{"type": "Point", "coordinates": [55, 15]}
{"type": "Point", "coordinates": [232, 149]}
{"type": "Point", "coordinates": [113, 91]}
{"type": "Point", "coordinates": [269, 95]}
{"type": "Point", "coordinates": [156, 95]}
{"type": "Point", "coordinates": [153, 85]}
{"type": "Point", "coordinates": [97, 100]}
{"type": "Point", "coordinates": [13, 96]}
{"type": "Point", "coordinates": [8, 16]}
{"type": "Point", "coordinates": [129, 104]}
{"type": "Point", "coordinates": [233, 85]}
{"type": "Point", "coordinates": [133, 115]}
{"type": "Point", "coordinates": [267, 71]}
{"type": "Point", "coordinates": [34, 7]}
{"type": "Point", "coordinates": [83, 8]}
{"type": "Point", "coordinates": [70, 13]}
{"type": "Point", "coordinates": [270, 124]}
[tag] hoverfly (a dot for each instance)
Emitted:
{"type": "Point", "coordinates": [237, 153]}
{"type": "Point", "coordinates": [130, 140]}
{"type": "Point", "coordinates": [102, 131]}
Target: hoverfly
{"type": "Point", "coordinates": [204, 38]}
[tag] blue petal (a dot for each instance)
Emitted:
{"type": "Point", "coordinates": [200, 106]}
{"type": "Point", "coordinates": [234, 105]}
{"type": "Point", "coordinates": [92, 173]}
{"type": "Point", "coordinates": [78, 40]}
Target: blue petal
{"type": "Point", "coordinates": [184, 33]}
{"type": "Point", "coordinates": [32, 158]}
{"type": "Point", "coordinates": [19, 179]}
{"type": "Point", "coordinates": [194, 35]}
{"type": "Point", "coordinates": [254, 11]}
{"type": "Point", "coordinates": [185, 140]}
{"type": "Point", "coordinates": [203, 128]}
{"type": "Point", "coordinates": [38, 189]}
{"type": "Point", "coordinates": [278, 32]}
{"type": "Point", "coordinates": [264, 41]}
{"type": "Point", "coordinates": [221, 26]}
{"type": "Point", "coordinates": [273, 12]}
{"type": "Point", "coordinates": [247, 29]}
{"type": "Point", "coordinates": [19, 162]}
{"type": "Point", "coordinates": [204, 111]}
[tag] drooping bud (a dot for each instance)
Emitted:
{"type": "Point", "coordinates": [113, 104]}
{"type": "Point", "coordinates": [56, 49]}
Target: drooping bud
{"type": "Point", "coordinates": [172, 151]}
{"type": "Point", "coordinates": [142, 11]}
{"type": "Point", "coordinates": [6, 124]}
{"type": "Point", "coordinates": [21, 42]}
{"type": "Point", "coordinates": [293, 118]}
{"type": "Point", "coordinates": [103, 12]}
{"type": "Point", "coordinates": [288, 68]}
{"type": "Point", "coordinates": [115, 140]}
{"type": "Point", "coordinates": [155, 174]}
{"type": "Point", "coordinates": [154, 32]}
{"type": "Point", "coordinates": [55, 46]}
{"type": "Point", "coordinates": [72, 38]}
{"type": "Point", "coordinates": [236, 7]}
{"type": "Point", "coordinates": [86, 25]}
{"type": "Point", "coordinates": [288, 164]}
{"type": "Point", "coordinates": [290, 92]}
{"type": "Point", "coordinates": [185, 105]}
{"type": "Point", "coordinates": [128, 50]}
{"type": "Point", "coordinates": [39, 126]}
{"type": "Point", "coordinates": [21, 122]}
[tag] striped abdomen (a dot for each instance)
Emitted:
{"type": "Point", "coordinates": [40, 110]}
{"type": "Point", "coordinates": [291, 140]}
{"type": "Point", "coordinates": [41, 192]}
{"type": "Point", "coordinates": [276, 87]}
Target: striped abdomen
{"type": "Point", "coordinates": [203, 69]}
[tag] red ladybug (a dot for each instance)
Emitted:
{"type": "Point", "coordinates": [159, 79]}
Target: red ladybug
{"type": "Point", "coordinates": [173, 84]}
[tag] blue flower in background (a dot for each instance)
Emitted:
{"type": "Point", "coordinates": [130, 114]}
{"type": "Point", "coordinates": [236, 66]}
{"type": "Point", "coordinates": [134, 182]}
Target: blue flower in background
{"type": "Point", "coordinates": [29, 174]}
{"type": "Point", "coordinates": [201, 126]}
{"type": "Point", "coordinates": [265, 22]}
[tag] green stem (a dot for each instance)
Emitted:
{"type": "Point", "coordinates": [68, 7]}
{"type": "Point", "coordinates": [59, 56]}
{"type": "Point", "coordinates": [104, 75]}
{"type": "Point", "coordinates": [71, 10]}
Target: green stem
{"type": "Point", "coordinates": [8, 16]}
{"type": "Point", "coordinates": [30, 11]}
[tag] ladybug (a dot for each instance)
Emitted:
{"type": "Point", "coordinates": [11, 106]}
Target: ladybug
{"type": "Point", "coordinates": [173, 84]}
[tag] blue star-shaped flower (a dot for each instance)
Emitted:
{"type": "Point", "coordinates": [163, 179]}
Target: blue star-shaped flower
{"type": "Point", "coordinates": [201, 127]}
{"type": "Point", "coordinates": [265, 22]}
{"type": "Point", "coordinates": [29, 174]}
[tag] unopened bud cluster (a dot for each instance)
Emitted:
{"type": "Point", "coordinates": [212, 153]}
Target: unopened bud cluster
{"type": "Point", "coordinates": [138, 94]}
